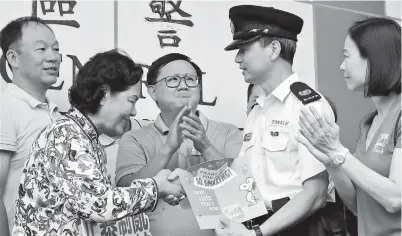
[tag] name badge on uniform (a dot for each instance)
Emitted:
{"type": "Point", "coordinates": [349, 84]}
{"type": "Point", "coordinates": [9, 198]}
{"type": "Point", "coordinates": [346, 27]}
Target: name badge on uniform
{"type": "Point", "coordinates": [274, 133]}
{"type": "Point", "coordinates": [283, 123]}
{"type": "Point", "coordinates": [247, 137]}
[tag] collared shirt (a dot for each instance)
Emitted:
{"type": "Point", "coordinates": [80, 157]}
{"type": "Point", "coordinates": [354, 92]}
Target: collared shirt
{"type": "Point", "coordinates": [280, 164]}
{"type": "Point", "coordinates": [65, 182]}
{"type": "Point", "coordinates": [373, 218]}
{"type": "Point", "coordinates": [22, 117]}
{"type": "Point", "coordinates": [138, 147]}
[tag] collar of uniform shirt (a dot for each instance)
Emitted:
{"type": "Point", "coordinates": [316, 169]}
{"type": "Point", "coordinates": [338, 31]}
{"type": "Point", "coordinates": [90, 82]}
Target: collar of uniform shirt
{"type": "Point", "coordinates": [280, 92]}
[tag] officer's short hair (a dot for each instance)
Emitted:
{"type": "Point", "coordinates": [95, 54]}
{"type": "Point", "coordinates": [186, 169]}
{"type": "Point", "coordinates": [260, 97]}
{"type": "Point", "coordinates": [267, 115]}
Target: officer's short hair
{"type": "Point", "coordinates": [379, 41]}
{"type": "Point", "coordinates": [288, 47]}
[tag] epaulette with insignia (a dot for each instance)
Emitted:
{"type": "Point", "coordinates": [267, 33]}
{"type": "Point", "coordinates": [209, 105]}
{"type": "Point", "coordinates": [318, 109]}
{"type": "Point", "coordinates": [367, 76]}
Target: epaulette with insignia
{"type": "Point", "coordinates": [304, 93]}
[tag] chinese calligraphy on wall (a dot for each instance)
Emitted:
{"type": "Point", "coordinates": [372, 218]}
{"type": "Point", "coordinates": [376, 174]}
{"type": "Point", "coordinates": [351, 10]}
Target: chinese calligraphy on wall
{"type": "Point", "coordinates": [165, 10]}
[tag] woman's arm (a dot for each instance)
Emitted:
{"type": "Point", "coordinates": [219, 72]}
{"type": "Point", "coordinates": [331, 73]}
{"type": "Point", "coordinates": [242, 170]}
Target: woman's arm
{"type": "Point", "coordinates": [386, 190]}
{"type": "Point", "coordinates": [344, 186]}
{"type": "Point", "coordinates": [323, 134]}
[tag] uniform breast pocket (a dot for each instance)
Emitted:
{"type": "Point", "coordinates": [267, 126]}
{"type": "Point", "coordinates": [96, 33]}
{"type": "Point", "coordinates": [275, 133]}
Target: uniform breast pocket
{"type": "Point", "coordinates": [276, 144]}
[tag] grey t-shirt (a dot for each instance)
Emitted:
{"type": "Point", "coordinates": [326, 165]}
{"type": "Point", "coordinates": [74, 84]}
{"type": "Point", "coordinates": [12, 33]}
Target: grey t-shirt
{"type": "Point", "coordinates": [138, 147]}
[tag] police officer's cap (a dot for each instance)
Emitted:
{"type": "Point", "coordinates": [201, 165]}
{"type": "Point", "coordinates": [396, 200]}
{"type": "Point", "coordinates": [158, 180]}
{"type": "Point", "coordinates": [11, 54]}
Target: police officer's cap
{"type": "Point", "coordinates": [249, 22]}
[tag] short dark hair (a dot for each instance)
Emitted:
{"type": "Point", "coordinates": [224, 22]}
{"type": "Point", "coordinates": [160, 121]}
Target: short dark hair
{"type": "Point", "coordinates": [249, 90]}
{"type": "Point", "coordinates": [379, 41]}
{"type": "Point", "coordinates": [106, 71]}
{"type": "Point", "coordinates": [155, 67]}
{"type": "Point", "coordinates": [288, 46]}
{"type": "Point", "coordinates": [11, 34]}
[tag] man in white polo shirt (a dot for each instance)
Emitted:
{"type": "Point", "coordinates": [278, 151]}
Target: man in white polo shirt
{"type": "Point", "coordinates": [32, 52]}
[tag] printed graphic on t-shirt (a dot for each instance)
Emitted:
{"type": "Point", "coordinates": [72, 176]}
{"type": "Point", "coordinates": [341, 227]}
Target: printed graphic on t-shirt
{"type": "Point", "coordinates": [380, 144]}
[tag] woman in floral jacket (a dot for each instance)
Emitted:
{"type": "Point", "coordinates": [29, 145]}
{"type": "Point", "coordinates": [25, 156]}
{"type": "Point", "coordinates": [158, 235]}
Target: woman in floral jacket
{"type": "Point", "coordinates": [65, 183]}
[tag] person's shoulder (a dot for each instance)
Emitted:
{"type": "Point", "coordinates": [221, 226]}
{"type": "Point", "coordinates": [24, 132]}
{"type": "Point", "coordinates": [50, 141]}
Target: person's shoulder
{"type": "Point", "coordinates": [139, 123]}
{"type": "Point", "coordinates": [140, 130]}
{"type": "Point", "coordinates": [223, 125]}
{"type": "Point", "coordinates": [309, 97]}
{"type": "Point", "coordinates": [64, 125]}
{"type": "Point", "coordinates": [9, 102]}
{"type": "Point", "coordinates": [304, 93]}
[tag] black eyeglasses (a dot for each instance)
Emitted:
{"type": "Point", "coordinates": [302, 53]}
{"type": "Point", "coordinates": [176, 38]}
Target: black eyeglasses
{"type": "Point", "coordinates": [174, 81]}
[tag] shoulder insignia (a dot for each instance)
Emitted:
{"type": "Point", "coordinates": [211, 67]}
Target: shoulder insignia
{"type": "Point", "coordinates": [304, 92]}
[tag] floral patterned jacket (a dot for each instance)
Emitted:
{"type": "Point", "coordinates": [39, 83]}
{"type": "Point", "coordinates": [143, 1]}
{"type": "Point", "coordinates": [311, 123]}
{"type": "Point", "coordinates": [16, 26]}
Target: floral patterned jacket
{"type": "Point", "coordinates": [64, 181]}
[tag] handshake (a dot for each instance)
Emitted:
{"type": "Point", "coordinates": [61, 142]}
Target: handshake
{"type": "Point", "coordinates": [169, 186]}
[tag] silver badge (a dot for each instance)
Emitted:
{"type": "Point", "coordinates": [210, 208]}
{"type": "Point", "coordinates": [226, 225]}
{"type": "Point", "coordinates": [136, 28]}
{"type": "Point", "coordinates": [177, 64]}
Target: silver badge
{"type": "Point", "coordinates": [305, 92]}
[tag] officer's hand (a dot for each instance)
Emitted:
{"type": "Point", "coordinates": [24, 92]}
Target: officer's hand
{"type": "Point", "coordinates": [320, 131]}
{"type": "Point", "coordinates": [167, 187]}
{"type": "Point", "coordinates": [195, 131]}
{"type": "Point", "coordinates": [232, 228]}
{"type": "Point", "coordinates": [175, 137]}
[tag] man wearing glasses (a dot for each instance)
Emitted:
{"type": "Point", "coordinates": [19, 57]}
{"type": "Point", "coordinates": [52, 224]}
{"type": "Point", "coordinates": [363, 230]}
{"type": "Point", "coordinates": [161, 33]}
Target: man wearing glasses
{"type": "Point", "coordinates": [180, 137]}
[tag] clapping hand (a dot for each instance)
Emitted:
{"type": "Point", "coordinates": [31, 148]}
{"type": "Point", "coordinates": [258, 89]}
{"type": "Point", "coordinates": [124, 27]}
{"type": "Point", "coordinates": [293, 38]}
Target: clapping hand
{"type": "Point", "coordinates": [175, 136]}
{"type": "Point", "coordinates": [319, 134]}
{"type": "Point", "coordinates": [194, 130]}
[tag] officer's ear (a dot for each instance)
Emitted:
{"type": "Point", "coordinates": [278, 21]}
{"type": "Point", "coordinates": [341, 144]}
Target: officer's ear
{"type": "Point", "coordinates": [151, 91]}
{"type": "Point", "coordinates": [275, 49]}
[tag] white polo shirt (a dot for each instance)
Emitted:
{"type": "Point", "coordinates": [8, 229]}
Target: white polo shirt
{"type": "Point", "coordinates": [22, 117]}
{"type": "Point", "coordinates": [280, 164]}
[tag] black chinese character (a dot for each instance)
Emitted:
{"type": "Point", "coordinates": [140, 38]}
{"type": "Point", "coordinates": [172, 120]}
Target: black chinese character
{"type": "Point", "coordinates": [167, 38]}
{"type": "Point", "coordinates": [159, 7]}
{"type": "Point", "coordinates": [108, 229]}
{"type": "Point", "coordinates": [47, 6]}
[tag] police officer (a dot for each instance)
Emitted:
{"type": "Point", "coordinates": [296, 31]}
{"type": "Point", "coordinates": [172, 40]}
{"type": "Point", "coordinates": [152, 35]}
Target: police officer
{"type": "Point", "coordinates": [292, 182]}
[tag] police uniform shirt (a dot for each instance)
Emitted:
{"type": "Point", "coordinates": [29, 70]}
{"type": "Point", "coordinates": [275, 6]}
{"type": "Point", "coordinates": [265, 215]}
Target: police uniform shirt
{"type": "Point", "coordinates": [279, 163]}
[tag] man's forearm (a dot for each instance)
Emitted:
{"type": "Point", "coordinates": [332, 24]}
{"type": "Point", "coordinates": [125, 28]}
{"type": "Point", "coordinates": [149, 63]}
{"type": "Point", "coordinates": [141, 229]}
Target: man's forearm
{"type": "Point", "coordinates": [296, 210]}
{"type": "Point", "coordinates": [212, 154]}
{"type": "Point", "coordinates": [152, 168]}
{"type": "Point", "coordinates": [159, 162]}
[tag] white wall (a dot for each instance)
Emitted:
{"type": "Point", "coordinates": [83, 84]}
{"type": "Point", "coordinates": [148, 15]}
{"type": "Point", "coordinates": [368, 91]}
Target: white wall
{"type": "Point", "coordinates": [393, 8]}
{"type": "Point", "coordinates": [204, 43]}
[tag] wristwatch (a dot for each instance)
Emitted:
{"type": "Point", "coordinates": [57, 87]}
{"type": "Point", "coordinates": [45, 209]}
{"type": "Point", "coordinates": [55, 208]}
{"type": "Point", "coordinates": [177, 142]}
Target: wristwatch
{"type": "Point", "coordinates": [257, 230]}
{"type": "Point", "coordinates": [340, 157]}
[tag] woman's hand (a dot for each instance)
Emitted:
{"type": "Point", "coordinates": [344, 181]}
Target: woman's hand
{"type": "Point", "coordinates": [320, 131]}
